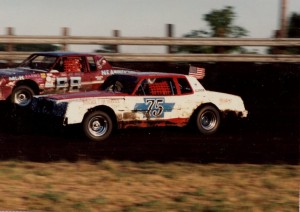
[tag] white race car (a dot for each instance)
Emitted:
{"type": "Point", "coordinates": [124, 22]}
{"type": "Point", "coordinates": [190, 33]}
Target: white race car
{"type": "Point", "coordinates": [141, 99]}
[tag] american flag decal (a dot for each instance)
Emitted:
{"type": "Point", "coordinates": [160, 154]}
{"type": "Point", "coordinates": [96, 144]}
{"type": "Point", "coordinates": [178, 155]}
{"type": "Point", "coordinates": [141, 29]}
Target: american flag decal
{"type": "Point", "coordinates": [197, 72]}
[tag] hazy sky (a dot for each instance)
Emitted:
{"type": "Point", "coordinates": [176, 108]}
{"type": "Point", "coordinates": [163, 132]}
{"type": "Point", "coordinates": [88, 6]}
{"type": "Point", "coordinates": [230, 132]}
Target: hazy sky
{"type": "Point", "coordinates": [135, 17]}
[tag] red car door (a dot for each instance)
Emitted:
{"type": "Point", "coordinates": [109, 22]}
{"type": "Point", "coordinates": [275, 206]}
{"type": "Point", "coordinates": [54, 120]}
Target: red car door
{"type": "Point", "coordinates": [66, 76]}
{"type": "Point", "coordinates": [92, 77]}
{"type": "Point", "coordinates": [76, 73]}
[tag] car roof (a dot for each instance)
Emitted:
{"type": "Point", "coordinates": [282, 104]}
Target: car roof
{"type": "Point", "coordinates": [61, 54]}
{"type": "Point", "coordinates": [151, 74]}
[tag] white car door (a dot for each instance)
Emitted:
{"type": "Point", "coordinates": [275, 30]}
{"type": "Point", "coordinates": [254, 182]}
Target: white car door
{"type": "Point", "coordinates": [153, 102]}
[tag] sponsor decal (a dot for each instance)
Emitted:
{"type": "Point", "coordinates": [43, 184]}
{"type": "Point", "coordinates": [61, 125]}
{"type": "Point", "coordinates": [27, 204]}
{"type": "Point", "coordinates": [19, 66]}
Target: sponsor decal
{"type": "Point", "coordinates": [16, 78]}
{"type": "Point", "coordinates": [111, 72]}
{"type": "Point", "coordinates": [50, 81]}
{"type": "Point", "coordinates": [199, 90]}
{"type": "Point", "coordinates": [154, 107]}
{"type": "Point", "coordinates": [99, 78]}
{"type": "Point", "coordinates": [32, 76]}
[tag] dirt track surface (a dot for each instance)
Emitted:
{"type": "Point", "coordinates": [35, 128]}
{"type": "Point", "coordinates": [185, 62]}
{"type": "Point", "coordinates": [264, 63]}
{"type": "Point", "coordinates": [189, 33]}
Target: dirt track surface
{"type": "Point", "coordinates": [270, 135]}
{"type": "Point", "coordinates": [243, 142]}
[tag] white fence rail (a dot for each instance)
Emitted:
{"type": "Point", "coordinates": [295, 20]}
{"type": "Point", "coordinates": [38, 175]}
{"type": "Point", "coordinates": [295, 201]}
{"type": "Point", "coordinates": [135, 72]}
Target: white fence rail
{"type": "Point", "coordinates": [65, 40]}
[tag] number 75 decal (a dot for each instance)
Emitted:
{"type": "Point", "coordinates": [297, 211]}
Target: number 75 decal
{"type": "Point", "coordinates": [154, 107]}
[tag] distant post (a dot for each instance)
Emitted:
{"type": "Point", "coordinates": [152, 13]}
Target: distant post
{"type": "Point", "coordinates": [116, 33]}
{"type": "Point", "coordinates": [170, 35]}
{"type": "Point", "coordinates": [9, 47]}
{"type": "Point", "coordinates": [283, 21]}
{"type": "Point", "coordinates": [65, 33]}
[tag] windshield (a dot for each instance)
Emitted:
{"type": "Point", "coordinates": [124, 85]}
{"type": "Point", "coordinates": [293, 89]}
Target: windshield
{"type": "Point", "coordinates": [44, 62]}
{"type": "Point", "coordinates": [120, 84]}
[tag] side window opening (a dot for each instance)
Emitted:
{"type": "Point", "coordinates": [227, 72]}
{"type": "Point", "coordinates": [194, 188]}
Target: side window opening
{"type": "Point", "coordinates": [42, 62]}
{"type": "Point", "coordinates": [92, 63]}
{"type": "Point", "coordinates": [58, 67]}
{"type": "Point", "coordinates": [72, 64]}
{"type": "Point", "coordinates": [141, 90]}
{"type": "Point", "coordinates": [184, 86]}
{"type": "Point", "coordinates": [157, 87]}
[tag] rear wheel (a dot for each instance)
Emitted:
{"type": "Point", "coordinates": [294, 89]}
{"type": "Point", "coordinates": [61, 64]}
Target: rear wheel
{"type": "Point", "coordinates": [22, 95]}
{"type": "Point", "coordinates": [208, 120]}
{"type": "Point", "coordinates": [97, 126]}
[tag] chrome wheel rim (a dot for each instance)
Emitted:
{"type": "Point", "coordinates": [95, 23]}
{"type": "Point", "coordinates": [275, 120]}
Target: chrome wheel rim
{"type": "Point", "coordinates": [23, 98]}
{"type": "Point", "coordinates": [98, 126]}
{"type": "Point", "coordinates": [208, 120]}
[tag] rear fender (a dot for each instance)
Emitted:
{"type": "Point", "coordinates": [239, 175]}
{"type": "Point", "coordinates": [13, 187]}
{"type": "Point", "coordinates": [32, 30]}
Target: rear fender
{"type": "Point", "coordinates": [106, 109]}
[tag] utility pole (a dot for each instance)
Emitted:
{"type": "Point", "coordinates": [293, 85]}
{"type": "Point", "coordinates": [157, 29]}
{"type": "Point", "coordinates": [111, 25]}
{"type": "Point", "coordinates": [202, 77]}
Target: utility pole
{"type": "Point", "coordinates": [283, 21]}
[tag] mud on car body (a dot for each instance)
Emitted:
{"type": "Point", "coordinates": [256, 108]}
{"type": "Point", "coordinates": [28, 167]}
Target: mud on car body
{"type": "Point", "coordinates": [54, 72]}
{"type": "Point", "coordinates": [141, 100]}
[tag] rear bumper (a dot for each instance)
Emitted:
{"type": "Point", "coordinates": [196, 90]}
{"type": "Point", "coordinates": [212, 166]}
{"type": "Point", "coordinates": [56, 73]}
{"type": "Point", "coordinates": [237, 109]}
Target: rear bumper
{"type": "Point", "coordinates": [235, 114]}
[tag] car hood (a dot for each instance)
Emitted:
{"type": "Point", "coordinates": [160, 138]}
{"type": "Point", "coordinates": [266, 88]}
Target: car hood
{"type": "Point", "coordinates": [11, 72]}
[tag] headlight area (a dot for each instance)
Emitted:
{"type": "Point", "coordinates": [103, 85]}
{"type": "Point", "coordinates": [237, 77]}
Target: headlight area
{"type": "Point", "coordinates": [75, 112]}
{"type": "Point", "coordinates": [4, 92]}
{"type": "Point", "coordinates": [1, 96]}
{"type": "Point", "coordinates": [60, 109]}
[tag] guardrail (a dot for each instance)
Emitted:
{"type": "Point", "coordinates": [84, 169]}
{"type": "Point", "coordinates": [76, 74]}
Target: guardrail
{"type": "Point", "coordinates": [94, 40]}
{"type": "Point", "coordinates": [65, 40]}
{"type": "Point", "coordinates": [122, 57]}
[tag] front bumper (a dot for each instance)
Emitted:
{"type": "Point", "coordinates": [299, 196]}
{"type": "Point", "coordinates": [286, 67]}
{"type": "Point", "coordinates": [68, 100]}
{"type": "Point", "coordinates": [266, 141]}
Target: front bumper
{"type": "Point", "coordinates": [48, 107]}
{"type": "Point", "coordinates": [2, 96]}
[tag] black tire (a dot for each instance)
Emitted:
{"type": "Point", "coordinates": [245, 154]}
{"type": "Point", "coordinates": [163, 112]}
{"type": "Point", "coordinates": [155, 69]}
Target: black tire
{"type": "Point", "coordinates": [208, 120]}
{"type": "Point", "coordinates": [97, 126]}
{"type": "Point", "coordinates": [22, 95]}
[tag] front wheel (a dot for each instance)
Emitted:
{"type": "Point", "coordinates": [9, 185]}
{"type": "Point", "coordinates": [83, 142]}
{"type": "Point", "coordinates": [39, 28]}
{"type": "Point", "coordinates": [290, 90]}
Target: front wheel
{"type": "Point", "coordinates": [97, 126]}
{"type": "Point", "coordinates": [22, 95]}
{"type": "Point", "coordinates": [208, 120]}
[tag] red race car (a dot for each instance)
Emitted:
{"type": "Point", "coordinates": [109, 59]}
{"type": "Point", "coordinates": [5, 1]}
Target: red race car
{"type": "Point", "coordinates": [54, 72]}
